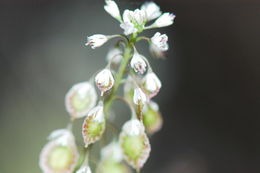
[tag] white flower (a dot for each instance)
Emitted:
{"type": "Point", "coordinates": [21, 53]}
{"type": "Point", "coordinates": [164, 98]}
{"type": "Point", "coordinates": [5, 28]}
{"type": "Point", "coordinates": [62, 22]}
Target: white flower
{"type": "Point", "coordinates": [152, 10]}
{"type": "Point", "coordinates": [152, 84]}
{"type": "Point", "coordinates": [160, 40]}
{"type": "Point", "coordinates": [112, 8]}
{"type": "Point", "coordinates": [139, 97]}
{"type": "Point", "coordinates": [60, 154]}
{"type": "Point", "coordinates": [138, 63]}
{"type": "Point", "coordinates": [128, 28]}
{"type": "Point", "coordinates": [133, 21]}
{"type": "Point", "coordinates": [165, 19]}
{"type": "Point", "coordinates": [137, 17]}
{"type": "Point", "coordinates": [114, 55]}
{"type": "Point", "coordinates": [156, 52]}
{"type": "Point", "coordinates": [133, 127]}
{"type": "Point", "coordinates": [84, 169]}
{"type": "Point", "coordinates": [96, 40]}
{"type": "Point", "coordinates": [104, 80]}
{"type": "Point", "coordinates": [80, 99]}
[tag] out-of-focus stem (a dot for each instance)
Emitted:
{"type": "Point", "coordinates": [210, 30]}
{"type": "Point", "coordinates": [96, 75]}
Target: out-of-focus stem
{"type": "Point", "coordinates": [118, 78]}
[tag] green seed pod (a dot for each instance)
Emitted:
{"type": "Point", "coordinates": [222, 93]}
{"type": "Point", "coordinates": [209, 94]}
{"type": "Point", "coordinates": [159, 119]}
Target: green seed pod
{"type": "Point", "coordinates": [93, 125]}
{"type": "Point", "coordinates": [152, 118]}
{"type": "Point", "coordinates": [80, 99]}
{"type": "Point", "coordinates": [60, 154]}
{"type": "Point", "coordinates": [134, 143]}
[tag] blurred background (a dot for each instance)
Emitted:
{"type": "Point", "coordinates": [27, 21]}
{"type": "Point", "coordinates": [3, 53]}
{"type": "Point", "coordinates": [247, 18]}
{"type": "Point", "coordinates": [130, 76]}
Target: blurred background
{"type": "Point", "coordinates": [210, 100]}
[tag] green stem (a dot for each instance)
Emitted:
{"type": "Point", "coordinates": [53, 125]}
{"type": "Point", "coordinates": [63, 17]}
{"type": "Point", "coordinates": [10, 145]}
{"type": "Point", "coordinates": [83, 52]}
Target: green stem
{"type": "Point", "coordinates": [118, 78]}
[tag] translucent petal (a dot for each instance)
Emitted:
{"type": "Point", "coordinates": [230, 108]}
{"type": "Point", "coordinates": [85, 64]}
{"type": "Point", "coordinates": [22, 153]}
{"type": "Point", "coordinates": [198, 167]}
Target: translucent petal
{"type": "Point", "coordinates": [80, 99]}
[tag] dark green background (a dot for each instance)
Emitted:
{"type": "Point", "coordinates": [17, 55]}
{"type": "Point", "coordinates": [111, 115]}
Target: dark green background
{"type": "Point", "coordinates": [210, 97]}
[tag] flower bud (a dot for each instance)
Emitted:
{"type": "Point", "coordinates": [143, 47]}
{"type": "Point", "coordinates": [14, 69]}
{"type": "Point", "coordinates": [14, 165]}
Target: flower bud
{"type": "Point", "coordinates": [84, 169]}
{"type": "Point", "coordinates": [152, 84]}
{"type": "Point", "coordinates": [164, 20]}
{"type": "Point", "coordinates": [80, 99]}
{"type": "Point", "coordinates": [112, 8]}
{"type": "Point", "coordinates": [96, 40]}
{"type": "Point", "coordinates": [128, 28]}
{"type": "Point", "coordinates": [133, 21]}
{"type": "Point", "coordinates": [139, 97]}
{"type": "Point", "coordinates": [138, 63]}
{"type": "Point", "coordinates": [94, 125]}
{"type": "Point", "coordinates": [104, 80]}
{"type": "Point", "coordinates": [152, 118]}
{"type": "Point", "coordinates": [156, 52]}
{"type": "Point", "coordinates": [134, 143]}
{"type": "Point", "coordinates": [152, 10]}
{"type": "Point", "coordinates": [60, 154]}
{"type": "Point", "coordinates": [160, 41]}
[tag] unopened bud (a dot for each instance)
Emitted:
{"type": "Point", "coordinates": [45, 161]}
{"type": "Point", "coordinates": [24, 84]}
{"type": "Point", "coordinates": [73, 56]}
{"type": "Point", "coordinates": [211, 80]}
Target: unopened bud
{"type": "Point", "coordinates": [152, 84]}
{"type": "Point", "coordinates": [139, 97]}
{"type": "Point", "coordinates": [138, 63]}
{"type": "Point", "coordinates": [96, 40]}
{"type": "Point", "coordinates": [164, 20]}
{"type": "Point", "coordinates": [104, 80]}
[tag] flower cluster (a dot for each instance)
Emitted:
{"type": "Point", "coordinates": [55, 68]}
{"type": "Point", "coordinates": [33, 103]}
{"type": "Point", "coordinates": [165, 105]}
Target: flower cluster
{"type": "Point", "coordinates": [126, 66]}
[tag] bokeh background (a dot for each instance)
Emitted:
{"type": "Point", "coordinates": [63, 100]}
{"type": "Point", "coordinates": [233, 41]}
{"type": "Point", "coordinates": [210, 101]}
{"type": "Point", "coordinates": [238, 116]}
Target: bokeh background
{"type": "Point", "coordinates": [210, 98]}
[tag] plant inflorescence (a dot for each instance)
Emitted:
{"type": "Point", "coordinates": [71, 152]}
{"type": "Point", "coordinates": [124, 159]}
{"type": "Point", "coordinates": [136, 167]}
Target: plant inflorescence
{"type": "Point", "coordinates": [125, 67]}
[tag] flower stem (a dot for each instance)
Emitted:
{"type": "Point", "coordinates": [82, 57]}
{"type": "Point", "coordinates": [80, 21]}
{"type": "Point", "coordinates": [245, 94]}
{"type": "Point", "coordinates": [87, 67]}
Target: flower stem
{"type": "Point", "coordinates": [118, 78]}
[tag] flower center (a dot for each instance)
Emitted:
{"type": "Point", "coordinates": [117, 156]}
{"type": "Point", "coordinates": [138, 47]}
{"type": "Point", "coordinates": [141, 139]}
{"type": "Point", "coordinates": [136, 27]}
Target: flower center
{"type": "Point", "coordinates": [60, 158]}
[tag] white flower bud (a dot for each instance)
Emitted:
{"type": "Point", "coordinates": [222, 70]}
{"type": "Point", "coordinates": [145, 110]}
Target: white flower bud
{"type": "Point", "coordinates": [84, 169]}
{"type": "Point", "coordinates": [138, 63]}
{"type": "Point", "coordinates": [139, 97]}
{"type": "Point", "coordinates": [112, 8]}
{"type": "Point", "coordinates": [133, 21]}
{"type": "Point", "coordinates": [114, 55]}
{"type": "Point", "coordinates": [156, 51]}
{"type": "Point", "coordinates": [152, 10]}
{"type": "Point", "coordinates": [80, 99]}
{"type": "Point", "coordinates": [152, 84]}
{"type": "Point", "coordinates": [139, 16]}
{"type": "Point", "coordinates": [165, 19]}
{"type": "Point", "coordinates": [94, 125]}
{"type": "Point", "coordinates": [104, 80]}
{"type": "Point", "coordinates": [60, 154]}
{"type": "Point", "coordinates": [128, 28]}
{"type": "Point", "coordinates": [96, 40]}
{"type": "Point", "coordinates": [160, 40]}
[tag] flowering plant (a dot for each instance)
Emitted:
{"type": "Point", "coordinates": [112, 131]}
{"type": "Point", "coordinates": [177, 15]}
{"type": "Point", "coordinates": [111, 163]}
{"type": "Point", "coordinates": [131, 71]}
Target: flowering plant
{"type": "Point", "coordinates": [126, 66]}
